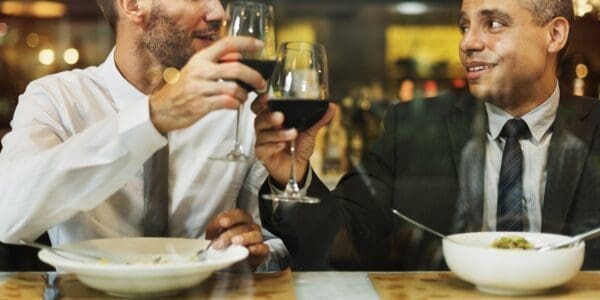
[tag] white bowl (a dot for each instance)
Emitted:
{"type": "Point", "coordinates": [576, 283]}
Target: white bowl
{"type": "Point", "coordinates": [511, 271]}
{"type": "Point", "coordinates": [143, 278]}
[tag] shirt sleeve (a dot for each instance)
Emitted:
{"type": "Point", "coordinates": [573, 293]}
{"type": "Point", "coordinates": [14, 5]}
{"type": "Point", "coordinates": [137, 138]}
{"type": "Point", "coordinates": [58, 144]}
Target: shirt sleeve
{"type": "Point", "coordinates": [279, 258]}
{"type": "Point", "coordinates": [50, 174]}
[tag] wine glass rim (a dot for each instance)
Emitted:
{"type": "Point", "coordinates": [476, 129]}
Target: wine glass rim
{"type": "Point", "coordinates": [251, 4]}
{"type": "Point", "coordinates": [302, 45]}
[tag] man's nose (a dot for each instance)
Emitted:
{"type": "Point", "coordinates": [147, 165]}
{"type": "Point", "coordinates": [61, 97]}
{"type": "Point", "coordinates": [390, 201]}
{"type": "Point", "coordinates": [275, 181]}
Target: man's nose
{"type": "Point", "coordinates": [472, 41]}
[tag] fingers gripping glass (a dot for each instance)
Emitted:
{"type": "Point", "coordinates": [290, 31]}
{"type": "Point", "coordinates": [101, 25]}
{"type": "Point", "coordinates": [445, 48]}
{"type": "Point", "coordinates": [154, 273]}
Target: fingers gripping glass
{"type": "Point", "coordinates": [253, 19]}
{"type": "Point", "coordinates": [300, 90]}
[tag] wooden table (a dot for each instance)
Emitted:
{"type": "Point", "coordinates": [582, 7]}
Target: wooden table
{"type": "Point", "coordinates": [219, 286]}
{"type": "Point", "coordinates": [445, 285]}
{"type": "Point", "coordinates": [297, 285]}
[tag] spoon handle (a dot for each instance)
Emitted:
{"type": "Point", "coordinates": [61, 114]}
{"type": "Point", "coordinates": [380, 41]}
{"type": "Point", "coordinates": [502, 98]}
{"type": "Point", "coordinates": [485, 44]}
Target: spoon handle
{"type": "Point", "coordinates": [397, 213]}
{"type": "Point", "coordinates": [576, 239]}
{"type": "Point", "coordinates": [588, 234]}
{"type": "Point", "coordinates": [202, 254]}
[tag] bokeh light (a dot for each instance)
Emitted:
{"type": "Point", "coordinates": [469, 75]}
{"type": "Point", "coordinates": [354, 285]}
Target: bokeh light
{"type": "Point", "coordinates": [32, 40]}
{"type": "Point", "coordinates": [46, 57]}
{"type": "Point", "coordinates": [581, 71]}
{"type": "Point", "coordinates": [38, 8]}
{"type": "Point", "coordinates": [71, 56]}
{"type": "Point", "coordinates": [171, 75]}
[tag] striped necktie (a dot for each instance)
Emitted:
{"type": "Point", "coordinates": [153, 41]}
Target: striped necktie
{"type": "Point", "coordinates": [156, 194]}
{"type": "Point", "coordinates": [510, 213]}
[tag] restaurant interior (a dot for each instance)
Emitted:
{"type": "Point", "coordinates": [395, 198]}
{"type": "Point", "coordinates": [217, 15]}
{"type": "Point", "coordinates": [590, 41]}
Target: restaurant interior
{"type": "Point", "coordinates": [381, 52]}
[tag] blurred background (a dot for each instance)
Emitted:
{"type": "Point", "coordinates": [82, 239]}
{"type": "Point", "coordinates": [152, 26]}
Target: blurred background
{"type": "Point", "coordinates": [380, 52]}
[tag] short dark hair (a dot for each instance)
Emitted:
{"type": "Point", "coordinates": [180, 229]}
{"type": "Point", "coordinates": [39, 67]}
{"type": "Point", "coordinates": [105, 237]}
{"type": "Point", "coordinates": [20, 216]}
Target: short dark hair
{"type": "Point", "coordinates": [544, 11]}
{"type": "Point", "coordinates": [109, 10]}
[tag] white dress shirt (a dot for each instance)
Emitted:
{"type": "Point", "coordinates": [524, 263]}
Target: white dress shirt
{"type": "Point", "coordinates": [72, 163]}
{"type": "Point", "coordinates": [535, 154]}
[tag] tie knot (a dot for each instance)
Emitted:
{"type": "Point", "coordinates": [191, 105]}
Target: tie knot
{"type": "Point", "coordinates": [514, 128]}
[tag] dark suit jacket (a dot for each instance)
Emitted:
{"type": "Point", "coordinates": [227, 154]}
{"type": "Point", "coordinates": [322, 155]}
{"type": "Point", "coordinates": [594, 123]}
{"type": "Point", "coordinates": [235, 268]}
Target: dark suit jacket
{"type": "Point", "coordinates": [429, 165]}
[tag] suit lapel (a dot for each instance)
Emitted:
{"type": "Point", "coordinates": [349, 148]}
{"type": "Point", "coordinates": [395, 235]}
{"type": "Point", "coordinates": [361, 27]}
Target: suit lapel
{"type": "Point", "coordinates": [466, 130]}
{"type": "Point", "coordinates": [572, 136]}
{"type": "Point", "coordinates": [459, 124]}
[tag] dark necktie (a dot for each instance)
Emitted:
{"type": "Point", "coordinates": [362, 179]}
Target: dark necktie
{"type": "Point", "coordinates": [156, 194]}
{"type": "Point", "coordinates": [510, 213]}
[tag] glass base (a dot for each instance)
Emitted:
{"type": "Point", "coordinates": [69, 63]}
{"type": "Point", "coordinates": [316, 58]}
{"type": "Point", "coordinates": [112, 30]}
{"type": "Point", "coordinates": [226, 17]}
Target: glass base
{"type": "Point", "coordinates": [291, 197]}
{"type": "Point", "coordinates": [232, 156]}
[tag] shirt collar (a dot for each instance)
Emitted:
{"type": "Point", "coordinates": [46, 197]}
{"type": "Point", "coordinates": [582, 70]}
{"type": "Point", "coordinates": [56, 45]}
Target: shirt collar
{"type": "Point", "coordinates": [539, 120]}
{"type": "Point", "coordinates": [120, 89]}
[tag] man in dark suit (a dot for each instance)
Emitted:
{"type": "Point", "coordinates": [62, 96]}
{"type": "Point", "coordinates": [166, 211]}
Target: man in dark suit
{"type": "Point", "coordinates": [523, 158]}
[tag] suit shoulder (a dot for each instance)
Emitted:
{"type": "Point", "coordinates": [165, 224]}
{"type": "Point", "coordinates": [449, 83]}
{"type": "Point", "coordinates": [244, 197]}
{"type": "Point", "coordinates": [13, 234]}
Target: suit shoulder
{"type": "Point", "coordinates": [581, 100]}
{"type": "Point", "coordinates": [433, 107]}
{"type": "Point", "coordinates": [581, 103]}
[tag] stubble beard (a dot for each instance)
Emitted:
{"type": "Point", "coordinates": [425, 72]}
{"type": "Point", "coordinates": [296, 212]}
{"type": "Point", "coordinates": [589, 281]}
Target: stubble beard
{"type": "Point", "coordinates": [165, 41]}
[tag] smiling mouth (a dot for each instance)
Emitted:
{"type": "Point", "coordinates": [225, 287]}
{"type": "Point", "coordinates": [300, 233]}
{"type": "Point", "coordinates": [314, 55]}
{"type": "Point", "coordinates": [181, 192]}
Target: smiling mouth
{"type": "Point", "coordinates": [479, 68]}
{"type": "Point", "coordinates": [476, 70]}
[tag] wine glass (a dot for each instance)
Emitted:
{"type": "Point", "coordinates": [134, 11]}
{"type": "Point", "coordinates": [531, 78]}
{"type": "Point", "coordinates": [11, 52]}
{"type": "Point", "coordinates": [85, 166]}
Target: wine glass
{"type": "Point", "coordinates": [299, 88]}
{"type": "Point", "coordinates": [253, 19]}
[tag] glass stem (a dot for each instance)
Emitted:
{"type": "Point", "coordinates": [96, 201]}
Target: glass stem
{"type": "Point", "coordinates": [238, 147]}
{"type": "Point", "coordinates": [292, 186]}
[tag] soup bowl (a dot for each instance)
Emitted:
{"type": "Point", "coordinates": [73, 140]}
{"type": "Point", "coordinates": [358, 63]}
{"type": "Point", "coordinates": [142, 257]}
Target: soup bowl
{"type": "Point", "coordinates": [472, 258]}
{"type": "Point", "coordinates": [157, 266]}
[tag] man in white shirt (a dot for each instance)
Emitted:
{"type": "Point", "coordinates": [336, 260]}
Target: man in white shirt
{"type": "Point", "coordinates": [525, 157]}
{"type": "Point", "coordinates": [73, 163]}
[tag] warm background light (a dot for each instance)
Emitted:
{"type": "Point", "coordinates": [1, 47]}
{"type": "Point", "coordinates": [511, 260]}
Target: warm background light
{"type": "Point", "coordinates": [583, 7]}
{"type": "Point", "coordinates": [427, 45]}
{"type": "Point", "coordinates": [581, 71]}
{"type": "Point", "coordinates": [71, 56]}
{"type": "Point", "coordinates": [37, 9]}
{"type": "Point", "coordinates": [3, 29]}
{"type": "Point", "coordinates": [46, 57]}
{"type": "Point", "coordinates": [411, 8]}
{"type": "Point", "coordinates": [32, 40]}
{"type": "Point", "coordinates": [297, 31]}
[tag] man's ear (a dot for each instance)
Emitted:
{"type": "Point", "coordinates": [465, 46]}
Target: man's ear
{"type": "Point", "coordinates": [558, 34]}
{"type": "Point", "coordinates": [132, 10]}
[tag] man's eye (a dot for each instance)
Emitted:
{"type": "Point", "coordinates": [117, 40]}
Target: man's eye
{"type": "Point", "coordinates": [495, 24]}
{"type": "Point", "coordinates": [463, 29]}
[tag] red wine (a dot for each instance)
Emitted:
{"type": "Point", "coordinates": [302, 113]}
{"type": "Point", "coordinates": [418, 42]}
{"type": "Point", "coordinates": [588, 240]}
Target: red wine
{"type": "Point", "coordinates": [264, 67]}
{"type": "Point", "coordinates": [300, 113]}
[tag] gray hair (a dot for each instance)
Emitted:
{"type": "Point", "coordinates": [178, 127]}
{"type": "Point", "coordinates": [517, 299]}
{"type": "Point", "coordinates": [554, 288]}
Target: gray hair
{"type": "Point", "coordinates": [543, 11]}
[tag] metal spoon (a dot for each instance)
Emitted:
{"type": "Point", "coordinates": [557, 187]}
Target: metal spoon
{"type": "Point", "coordinates": [397, 213]}
{"type": "Point", "coordinates": [574, 240]}
{"type": "Point", "coordinates": [203, 253]}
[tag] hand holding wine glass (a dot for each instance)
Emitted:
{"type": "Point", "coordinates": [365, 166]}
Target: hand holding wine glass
{"type": "Point", "coordinates": [198, 92]}
{"type": "Point", "coordinates": [299, 90]}
{"type": "Point", "coordinates": [251, 19]}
